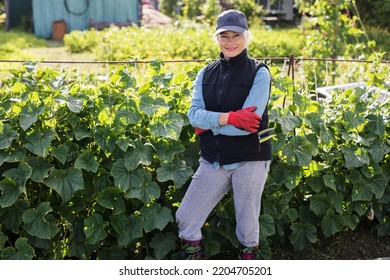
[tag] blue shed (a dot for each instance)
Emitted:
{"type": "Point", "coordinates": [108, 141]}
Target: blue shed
{"type": "Point", "coordinates": [79, 14]}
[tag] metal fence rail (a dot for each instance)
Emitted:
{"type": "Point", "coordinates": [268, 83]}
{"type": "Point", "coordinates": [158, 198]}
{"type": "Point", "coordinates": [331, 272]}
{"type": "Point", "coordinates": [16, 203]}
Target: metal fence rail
{"type": "Point", "coordinates": [291, 59]}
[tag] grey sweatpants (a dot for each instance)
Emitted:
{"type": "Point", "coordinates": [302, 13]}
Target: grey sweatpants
{"type": "Point", "coordinates": [209, 185]}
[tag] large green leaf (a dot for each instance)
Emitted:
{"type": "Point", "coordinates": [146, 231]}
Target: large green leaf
{"type": "Point", "coordinates": [106, 117]}
{"type": "Point", "coordinates": [38, 222]}
{"type": "Point", "coordinates": [332, 224]}
{"type": "Point", "coordinates": [12, 156]}
{"type": "Point", "coordinates": [305, 103]}
{"type": "Point", "coordinates": [22, 251]}
{"type": "Point", "coordinates": [7, 135]}
{"type": "Point", "coordinates": [81, 132]}
{"type": "Point", "coordinates": [65, 182]}
{"type": "Point", "coordinates": [355, 157]}
{"type": "Point", "coordinates": [69, 209]}
{"type": "Point", "coordinates": [362, 191]}
{"type": "Point", "coordinates": [298, 151]}
{"type": "Point", "coordinates": [316, 183]}
{"type": "Point", "coordinates": [20, 175]}
{"type": "Point", "coordinates": [319, 204]}
{"type": "Point", "coordinates": [166, 149]}
{"type": "Point", "coordinates": [75, 104]}
{"type": "Point", "coordinates": [168, 126]}
{"type": "Point", "coordinates": [112, 198]}
{"type": "Point", "coordinates": [302, 235]}
{"type": "Point", "coordinates": [288, 123]}
{"type": "Point", "coordinates": [106, 138]}
{"type": "Point", "coordinates": [354, 176]}
{"type": "Point", "coordinates": [292, 214]}
{"type": "Point", "coordinates": [66, 152]}
{"type": "Point", "coordinates": [139, 153]}
{"type": "Point", "coordinates": [10, 192]}
{"type": "Point", "coordinates": [3, 157]}
{"type": "Point", "coordinates": [212, 246]}
{"type": "Point", "coordinates": [39, 141]}
{"type": "Point", "coordinates": [163, 79]}
{"type": "Point", "coordinates": [163, 243]}
{"type": "Point", "coordinates": [78, 234]}
{"type": "Point", "coordinates": [379, 183]}
{"type": "Point", "coordinates": [29, 115]}
{"type": "Point", "coordinates": [60, 153]}
{"type": "Point", "coordinates": [126, 179]}
{"type": "Point", "coordinates": [326, 134]}
{"type": "Point", "coordinates": [147, 193]}
{"type": "Point", "coordinates": [315, 122]}
{"type": "Point", "coordinates": [40, 168]}
{"type": "Point", "coordinates": [267, 226]}
{"type": "Point", "coordinates": [11, 217]}
{"type": "Point", "coordinates": [177, 171]}
{"type": "Point", "coordinates": [384, 229]}
{"type": "Point", "coordinates": [280, 174]}
{"type": "Point", "coordinates": [87, 161]}
{"type": "Point", "coordinates": [369, 171]}
{"type": "Point", "coordinates": [3, 240]}
{"type": "Point", "coordinates": [336, 199]}
{"type": "Point", "coordinates": [150, 105]}
{"type": "Point", "coordinates": [18, 88]}
{"type": "Point", "coordinates": [353, 120]}
{"type": "Point", "coordinates": [156, 217]}
{"type": "Point", "coordinates": [376, 124]}
{"type": "Point", "coordinates": [378, 150]}
{"type": "Point", "coordinates": [94, 228]}
{"type": "Point", "coordinates": [127, 80]}
{"type": "Point", "coordinates": [351, 221]}
{"type": "Point", "coordinates": [102, 179]}
{"type": "Point", "coordinates": [128, 116]}
{"type": "Point", "coordinates": [123, 143]}
{"type": "Point", "coordinates": [330, 181]}
{"type": "Point", "coordinates": [128, 228]}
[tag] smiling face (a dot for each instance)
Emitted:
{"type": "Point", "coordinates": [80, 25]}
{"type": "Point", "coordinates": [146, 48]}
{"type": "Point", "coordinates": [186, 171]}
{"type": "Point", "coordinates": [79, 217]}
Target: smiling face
{"type": "Point", "coordinates": [231, 43]}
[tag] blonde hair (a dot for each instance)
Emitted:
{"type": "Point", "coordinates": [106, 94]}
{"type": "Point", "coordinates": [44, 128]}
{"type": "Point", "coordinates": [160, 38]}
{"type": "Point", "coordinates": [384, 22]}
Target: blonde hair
{"type": "Point", "coordinates": [248, 37]}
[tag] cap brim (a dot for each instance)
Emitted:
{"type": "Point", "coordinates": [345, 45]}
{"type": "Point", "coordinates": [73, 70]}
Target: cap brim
{"type": "Point", "coordinates": [232, 28]}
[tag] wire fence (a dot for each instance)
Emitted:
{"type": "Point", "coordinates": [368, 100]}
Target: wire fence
{"type": "Point", "coordinates": [304, 71]}
{"type": "Point", "coordinates": [136, 61]}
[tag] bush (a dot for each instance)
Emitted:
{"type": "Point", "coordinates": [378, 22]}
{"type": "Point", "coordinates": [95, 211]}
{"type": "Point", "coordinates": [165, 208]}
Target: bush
{"type": "Point", "coordinates": [95, 169]}
{"type": "Point", "coordinates": [184, 40]}
{"type": "Point", "coordinates": [12, 42]}
{"type": "Point", "coordinates": [81, 41]}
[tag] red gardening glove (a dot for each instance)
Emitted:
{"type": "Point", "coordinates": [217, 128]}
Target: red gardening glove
{"type": "Point", "coordinates": [245, 119]}
{"type": "Point", "coordinates": [199, 131]}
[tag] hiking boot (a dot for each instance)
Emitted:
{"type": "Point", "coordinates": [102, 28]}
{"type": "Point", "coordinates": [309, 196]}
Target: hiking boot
{"type": "Point", "coordinates": [192, 250]}
{"type": "Point", "coordinates": [248, 253]}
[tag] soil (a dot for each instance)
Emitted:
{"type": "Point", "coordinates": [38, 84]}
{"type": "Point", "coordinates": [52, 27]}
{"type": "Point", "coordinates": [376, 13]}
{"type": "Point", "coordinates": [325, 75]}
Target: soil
{"type": "Point", "coordinates": [360, 244]}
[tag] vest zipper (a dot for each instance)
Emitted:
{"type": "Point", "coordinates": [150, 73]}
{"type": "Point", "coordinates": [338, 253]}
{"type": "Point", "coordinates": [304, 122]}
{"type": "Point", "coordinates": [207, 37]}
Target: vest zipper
{"type": "Point", "coordinates": [224, 85]}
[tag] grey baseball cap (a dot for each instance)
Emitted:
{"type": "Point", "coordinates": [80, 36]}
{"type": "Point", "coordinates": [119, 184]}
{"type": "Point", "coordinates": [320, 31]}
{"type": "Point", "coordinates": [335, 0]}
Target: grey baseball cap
{"type": "Point", "coordinates": [231, 20]}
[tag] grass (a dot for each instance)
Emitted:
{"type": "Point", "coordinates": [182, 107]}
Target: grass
{"type": "Point", "coordinates": [55, 50]}
{"type": "Point", "coordinates": [17, 45]}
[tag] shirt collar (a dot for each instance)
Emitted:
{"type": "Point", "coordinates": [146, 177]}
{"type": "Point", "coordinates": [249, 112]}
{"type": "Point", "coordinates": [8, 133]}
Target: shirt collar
{"type": "Point", "coordinates": [234, 60]}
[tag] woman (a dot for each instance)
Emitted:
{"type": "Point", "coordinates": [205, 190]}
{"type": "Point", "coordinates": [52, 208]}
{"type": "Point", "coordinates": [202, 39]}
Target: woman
{"type": "Point", "coordinates": [228, 109]}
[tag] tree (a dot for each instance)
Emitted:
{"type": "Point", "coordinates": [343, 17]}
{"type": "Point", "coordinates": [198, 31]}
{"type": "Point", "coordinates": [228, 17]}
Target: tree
{"type": "Point", "coordinates": [375, 12]}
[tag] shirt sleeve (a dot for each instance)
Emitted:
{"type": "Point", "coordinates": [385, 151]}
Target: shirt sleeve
{"type": "Point", "coordinates": [258, 96]}
{"type": "Point", "coordinates": [197, 114]}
